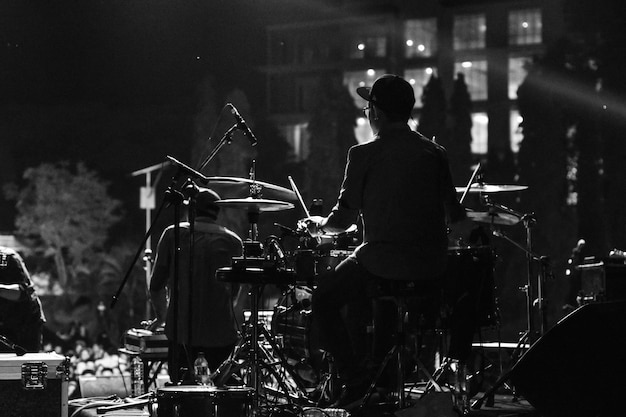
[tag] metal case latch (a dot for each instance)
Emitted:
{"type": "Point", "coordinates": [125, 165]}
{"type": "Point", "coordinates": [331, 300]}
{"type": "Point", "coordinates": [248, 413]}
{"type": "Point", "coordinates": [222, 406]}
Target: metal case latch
{"type": "Point", "coordinates": [34, 375]}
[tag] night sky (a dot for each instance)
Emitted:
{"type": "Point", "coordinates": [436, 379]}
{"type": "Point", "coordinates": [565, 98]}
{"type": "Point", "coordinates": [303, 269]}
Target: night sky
{"type": "Point", "coordinates": [113, 83]}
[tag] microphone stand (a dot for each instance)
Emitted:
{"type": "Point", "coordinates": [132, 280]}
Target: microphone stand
{"type": "Point", "coordinates": [226, 139]}
{"type": "Point", "coordinates": [172, 197]}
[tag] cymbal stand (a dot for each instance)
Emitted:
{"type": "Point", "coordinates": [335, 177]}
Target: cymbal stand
{"type": "Point", "coordinates": [529, 336]}
{"type": "Point", "coordinates": [261, 353]}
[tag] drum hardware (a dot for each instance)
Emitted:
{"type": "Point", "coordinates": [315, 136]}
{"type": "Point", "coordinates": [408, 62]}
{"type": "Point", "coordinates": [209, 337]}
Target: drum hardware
{"type": "Point", "coordinates": [529, 336]}
{"type": "Point", "coordinates": [263, 362]}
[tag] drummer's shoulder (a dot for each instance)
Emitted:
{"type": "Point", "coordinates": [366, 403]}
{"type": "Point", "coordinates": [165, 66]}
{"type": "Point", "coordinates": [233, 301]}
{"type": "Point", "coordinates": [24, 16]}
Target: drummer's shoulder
{"type": "Point", "coordinates": [362, 147]}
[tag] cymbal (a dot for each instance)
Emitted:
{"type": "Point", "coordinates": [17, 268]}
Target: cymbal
{"type": "Point", "coordinates": [255, 204]}
{"type": "Point", "coordinates": [491, 188]}
{"type": "Point", "coordinates": [502, 219]}
{"type": "Point", "coordinates": [234, 187]}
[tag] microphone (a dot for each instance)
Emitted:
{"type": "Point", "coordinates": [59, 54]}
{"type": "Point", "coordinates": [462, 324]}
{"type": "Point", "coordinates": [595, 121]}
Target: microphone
{"type": "Point", "coordinates": [20, 351]}
{"type": "Point", "coordinates": [241, 124]}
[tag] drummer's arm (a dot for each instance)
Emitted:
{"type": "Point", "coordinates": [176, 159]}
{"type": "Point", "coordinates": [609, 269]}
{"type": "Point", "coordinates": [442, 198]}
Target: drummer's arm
{"type": "Point", "coordinates": [346, 211]}
{"type": "Point", "coordinates": [339, 219]}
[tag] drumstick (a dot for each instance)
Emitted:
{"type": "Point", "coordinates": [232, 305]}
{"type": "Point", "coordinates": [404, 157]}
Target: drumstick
{"type": "Point", "coordinates": [469, 184]}
{"type": "Point", "coordinates": [295, 190]}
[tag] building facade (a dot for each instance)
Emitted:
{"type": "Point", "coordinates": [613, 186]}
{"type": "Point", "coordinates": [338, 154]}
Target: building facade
{"type": "Point", "coordinates": [490, 42]}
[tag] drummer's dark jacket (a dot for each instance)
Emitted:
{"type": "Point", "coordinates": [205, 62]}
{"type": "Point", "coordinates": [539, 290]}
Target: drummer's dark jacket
{"type": "Point", "coordinates": [400, 185]}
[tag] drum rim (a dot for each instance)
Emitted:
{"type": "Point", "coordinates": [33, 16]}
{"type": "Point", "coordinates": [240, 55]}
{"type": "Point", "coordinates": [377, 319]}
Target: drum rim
{"type": "Point", "coordinates": [204, 388]}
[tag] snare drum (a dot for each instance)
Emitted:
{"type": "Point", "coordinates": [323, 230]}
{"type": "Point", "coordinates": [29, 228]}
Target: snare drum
{"type": "Point", "coordinates": [203, 401]}
{"type": "Point", "coordinates": [327, 263]}
{"type": "Point", "coordinates": [310, 265]}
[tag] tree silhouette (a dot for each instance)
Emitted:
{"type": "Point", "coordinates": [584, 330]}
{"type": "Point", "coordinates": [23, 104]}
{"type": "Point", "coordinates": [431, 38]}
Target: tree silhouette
{"type": "Point", "coordinates": [545, 165]}
{"type": "Point", "coordinates": [596, 59]}
{"type": "Point", "coordinates": [459, 143]}
{"type": "Point", "coordinates": [331, 130]}
{"type": "Point", "coordinates": [432, 120]}
{"type": "Point", "coordinates": [65, 214]}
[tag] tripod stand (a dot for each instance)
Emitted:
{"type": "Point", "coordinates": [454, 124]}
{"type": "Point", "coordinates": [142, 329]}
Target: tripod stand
{"type": "Point", "coordinates": [257, 356]}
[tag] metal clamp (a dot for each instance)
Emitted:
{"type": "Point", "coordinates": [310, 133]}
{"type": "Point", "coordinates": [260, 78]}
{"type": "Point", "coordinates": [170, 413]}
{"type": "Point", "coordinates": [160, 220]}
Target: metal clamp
{"type": "Point", "coordinates": [34, 375]}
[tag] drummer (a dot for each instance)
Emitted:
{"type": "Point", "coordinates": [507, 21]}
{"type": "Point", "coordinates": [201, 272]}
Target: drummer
{"type": "Point", "coordinates": [400, 185]}
{"type": "Point", "coordinates": [213, 327]}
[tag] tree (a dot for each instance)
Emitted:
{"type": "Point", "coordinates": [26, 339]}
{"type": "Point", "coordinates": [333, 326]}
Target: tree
{"type": "Point", "coordinates": [460, 141]}
{"type": "Point", "coordinates": [65, 214]}
{"type": "Point", "coordinates": [596, 59]}
{"type": "Point", "coordinates": [432, 121]}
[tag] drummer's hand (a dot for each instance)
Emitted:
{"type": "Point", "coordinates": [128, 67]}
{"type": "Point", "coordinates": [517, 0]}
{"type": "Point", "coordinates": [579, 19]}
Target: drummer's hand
{"type": "Point", "coordinates": [311, 225]}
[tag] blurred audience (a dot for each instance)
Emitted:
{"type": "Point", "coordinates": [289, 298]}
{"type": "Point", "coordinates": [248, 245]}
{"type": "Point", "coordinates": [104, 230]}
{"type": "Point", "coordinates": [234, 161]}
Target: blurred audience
{"type": "Point", "coordinates": [98, 358]}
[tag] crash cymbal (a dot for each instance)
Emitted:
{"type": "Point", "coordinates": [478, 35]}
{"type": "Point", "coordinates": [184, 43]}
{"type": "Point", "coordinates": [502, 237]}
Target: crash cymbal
{"type": "Point", "coordinates": [233, 187]}
{"type": "Point", "coordinates": [502, 219]}
{"type": "Point", "coordinates": [491, 188]}
{"type": "Point", "coordinates": [255, 204]}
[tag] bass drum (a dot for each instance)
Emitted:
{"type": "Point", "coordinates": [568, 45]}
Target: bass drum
{"type": "Point", "coordinates": [469, 283]}
{"type": "Point", "coordinates": [204, 401]}
{"type": "Point", "coordinates": [295, 331]}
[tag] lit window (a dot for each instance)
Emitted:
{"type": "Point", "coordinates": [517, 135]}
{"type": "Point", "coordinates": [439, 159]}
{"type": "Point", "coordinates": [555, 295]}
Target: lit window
{"type": "Point", "coordinates": [355, 79]}
{"type": "Point", "coordinates": [475, 73]}
{"type": "Point", "coordinates": [369, 47]}
{"type": "Point", "coordinates": [525, 27]}
{"type": "Point", "coordinates": [420, 36]}
{"type": "Point", "coordinates": [469, 31]}
{"type": "Point", "coordinates": [418, 77]}
{"type": "Point", "coordinates": [297, 136]}
{"type": "Point", "coordinates": [516, 131]}
{"type": "Point", "coordinates": [517, 74]}
{"type": "Point", "coordinates": [480, 123]}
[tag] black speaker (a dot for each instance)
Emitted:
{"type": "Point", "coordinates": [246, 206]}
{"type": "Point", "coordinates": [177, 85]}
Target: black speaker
{"type": "Point", "coordinates": [578, 368]}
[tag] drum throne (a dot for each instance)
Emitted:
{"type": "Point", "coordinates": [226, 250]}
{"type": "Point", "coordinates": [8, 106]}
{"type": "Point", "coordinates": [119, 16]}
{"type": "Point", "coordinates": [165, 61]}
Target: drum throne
{"type": "Point", "coordinates": [401, 293]}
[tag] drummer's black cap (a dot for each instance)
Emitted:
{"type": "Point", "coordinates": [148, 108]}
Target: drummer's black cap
{"type": "Point", "coordinates": [391, 93]}
{"type": "Point", "coordinates": [205, 203]}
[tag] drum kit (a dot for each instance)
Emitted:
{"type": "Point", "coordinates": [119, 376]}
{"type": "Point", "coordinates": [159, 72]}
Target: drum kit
{"type": "Point", "coordinates": [282, 365]}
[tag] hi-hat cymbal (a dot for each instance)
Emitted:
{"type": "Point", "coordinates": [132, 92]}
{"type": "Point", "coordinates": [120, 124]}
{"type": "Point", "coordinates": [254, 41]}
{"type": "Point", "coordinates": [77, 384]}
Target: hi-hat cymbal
{"type": "Point", "coordinates": [491, 188]}
{"type": "Point", "coordinates": [502, 219]}
{"type": "Point", "coordinates": [256, 205]}
{"type": "Point", "coordinates": [233, 187]}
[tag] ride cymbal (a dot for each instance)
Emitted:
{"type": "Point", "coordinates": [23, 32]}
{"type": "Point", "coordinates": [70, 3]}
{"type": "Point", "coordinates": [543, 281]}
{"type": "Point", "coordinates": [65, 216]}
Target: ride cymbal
{"type": "Point", "coordinates": [491, 188]}
{"type": "Point", "coordinates": [234, 187]}
{"type": "Point", "coordinates": [501, 219]}
{"type": "Point", "coordinates": [255, 204]}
